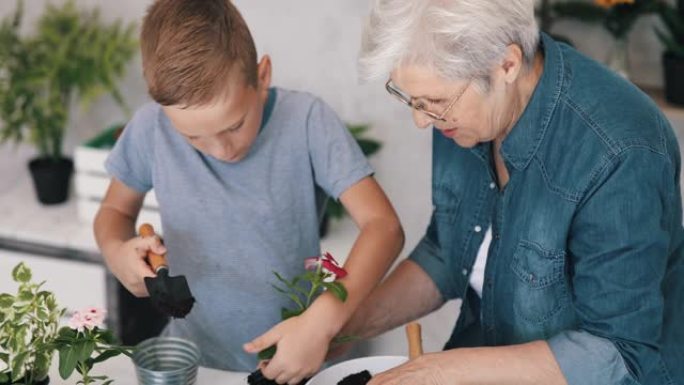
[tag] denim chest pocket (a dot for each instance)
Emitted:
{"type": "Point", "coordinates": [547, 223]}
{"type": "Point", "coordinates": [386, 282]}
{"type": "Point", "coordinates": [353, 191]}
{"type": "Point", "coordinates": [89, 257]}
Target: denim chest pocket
{"type": "Point", "coordinates": [540, 290]}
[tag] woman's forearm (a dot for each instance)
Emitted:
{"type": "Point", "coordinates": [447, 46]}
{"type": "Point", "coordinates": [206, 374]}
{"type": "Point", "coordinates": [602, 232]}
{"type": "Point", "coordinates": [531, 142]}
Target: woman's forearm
{"type": "Point", "coordinates": [407, 294]}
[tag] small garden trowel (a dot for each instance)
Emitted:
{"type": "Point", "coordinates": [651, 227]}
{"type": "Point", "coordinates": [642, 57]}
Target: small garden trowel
{"type": "Point", "coordinates": [171, 295]}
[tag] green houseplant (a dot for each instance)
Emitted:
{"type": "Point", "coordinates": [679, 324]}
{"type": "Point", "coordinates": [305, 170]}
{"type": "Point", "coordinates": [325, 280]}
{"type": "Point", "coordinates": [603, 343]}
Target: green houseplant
{"type": "Point", "coordinates": [618, 18]}
{"type": "Point", "coordinates": [673, 58]}
{"type": "Point", "coordinates": [29, 323]}
{"type": "Point", "coordinates": [30, 335]}
{"type": "Point", "coordinates": [72, 55]}
{"type": "Point", "coordinates": [333, 209]}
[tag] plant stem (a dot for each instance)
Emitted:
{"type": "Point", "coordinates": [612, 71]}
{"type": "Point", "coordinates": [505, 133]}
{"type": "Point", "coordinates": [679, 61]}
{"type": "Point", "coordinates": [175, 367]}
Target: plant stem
{"type": "Point", "coordinates": [314, 284]}
{"type": "Point", "coordinates": [84, 373]}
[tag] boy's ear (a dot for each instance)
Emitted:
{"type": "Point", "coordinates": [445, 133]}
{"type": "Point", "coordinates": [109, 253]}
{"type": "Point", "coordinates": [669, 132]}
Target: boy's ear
{"type": "Point", "coordinates": [264, 75]}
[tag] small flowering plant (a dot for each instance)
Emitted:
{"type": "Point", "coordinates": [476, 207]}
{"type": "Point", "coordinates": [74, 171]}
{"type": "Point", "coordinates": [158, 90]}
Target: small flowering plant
{"type": "Point", "coordinates": [618, 16]}
{"type": "Point", "coordinates": [321, 275]}
{"type": "Point", "coordinates": [83, 343]}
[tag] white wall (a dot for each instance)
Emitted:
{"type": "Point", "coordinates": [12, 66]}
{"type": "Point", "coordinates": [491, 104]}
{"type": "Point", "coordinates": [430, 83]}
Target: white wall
{"type": "Point", "coordinates": [314, 44]}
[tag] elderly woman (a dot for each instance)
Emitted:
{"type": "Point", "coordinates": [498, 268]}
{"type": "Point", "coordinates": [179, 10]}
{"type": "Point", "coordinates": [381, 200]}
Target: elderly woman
{"type": "Point", "coordinates": [557, 209]}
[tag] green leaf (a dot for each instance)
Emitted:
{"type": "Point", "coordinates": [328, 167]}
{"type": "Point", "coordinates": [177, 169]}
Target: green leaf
{"type": "Point", "coordinates": [368, 147]}
{"type": "Point", "coordinates": [84, 349]}
{"type": "Point", "coordinates": [18, 369]}
{"type": "Point", "coordinates": [670, 44]}
{"type": "Point", "coordinates": [335, 209]}
{"type": "Point", "coordinates": [41, 366]}
{"type": "Point", "coordinates": [579, 10]}
{"type": "Point", "coordinates": [267, 353]}
{"type": "Point", "coordinates": [67, 332]}
{"type": "Point", "coordinates": [21, 273]}
{"type": "Point", "coordinates": [107, 336]}
{"type": "Point", "coordinates": [68, 358]}
{"type": "Point", "coordinates": [4, 378]}
{"type": "Point", "coordinates": [281, 279]}
{"type": "Point", "coordinates": [107, 354]}
{"type": "Point", "coordinates": [286, 313]}
{"type": "Point", "coordinates": [337, 289]}
{"type": "Point", "coordinates": [6, 301]}
{"type": "Point", "coordinates": [280, 289]}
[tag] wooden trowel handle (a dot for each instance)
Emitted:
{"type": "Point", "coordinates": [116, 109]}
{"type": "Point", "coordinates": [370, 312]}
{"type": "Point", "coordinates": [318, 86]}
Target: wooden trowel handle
{"type": "Point", "coordinates": [156, 261]}
{"type": "Point", "coordinates": [415, 340]}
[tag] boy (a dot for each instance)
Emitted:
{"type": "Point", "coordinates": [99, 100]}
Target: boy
{"type": "Point", "coordinates": [234, 164]}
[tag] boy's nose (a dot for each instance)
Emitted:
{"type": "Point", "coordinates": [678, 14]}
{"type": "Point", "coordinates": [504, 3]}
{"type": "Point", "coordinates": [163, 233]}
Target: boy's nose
{"type": "Point", "coordinates": [222, 150]}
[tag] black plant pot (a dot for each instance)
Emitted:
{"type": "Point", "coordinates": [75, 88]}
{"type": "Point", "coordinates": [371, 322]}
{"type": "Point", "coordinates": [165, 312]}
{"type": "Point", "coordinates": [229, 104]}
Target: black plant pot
{"type": "Point", "coordinates": [674, 78]}
{"type": "Point", "coordinates": [51, 179]}
{"type": "Point", "coordinates": [46, 381]}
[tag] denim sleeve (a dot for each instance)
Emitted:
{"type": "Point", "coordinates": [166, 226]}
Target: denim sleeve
{"type": "Point", "coordinates": [429, 256]}
{"type": "Point", "coordinates": [336, 158]}
{"type": "Point", "coordinates": [131, 158]}
{"type": "Point", "coordinates": [618, 246]}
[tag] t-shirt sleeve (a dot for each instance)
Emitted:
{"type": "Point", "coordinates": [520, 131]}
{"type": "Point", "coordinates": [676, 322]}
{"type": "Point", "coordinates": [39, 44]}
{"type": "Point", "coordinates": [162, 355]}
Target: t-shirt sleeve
{"type": "Point", "coordinates": [337, 160]}
{"type": "Point", "coordinates": [131, 158]}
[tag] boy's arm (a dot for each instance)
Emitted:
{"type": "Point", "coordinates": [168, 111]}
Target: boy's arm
{"type": "Point", "coordinates": [114, 228]}
{"type": "Point", "coordinates": [303, 341]}
{"type": "Point", "coordinates": [378, 244]}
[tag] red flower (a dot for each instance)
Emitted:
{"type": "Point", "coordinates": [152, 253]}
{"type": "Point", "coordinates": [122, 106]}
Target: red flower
{"type": "Point", "coordinates": [328, 265]}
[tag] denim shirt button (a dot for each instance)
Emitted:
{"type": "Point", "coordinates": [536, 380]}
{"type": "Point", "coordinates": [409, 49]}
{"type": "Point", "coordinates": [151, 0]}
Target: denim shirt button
{"type": "Point", "coordinates": [478, 229]}
{"type": "Point", "coordinates": [464, 271]}
{"type": "Point", "coordinates": [492, 186]}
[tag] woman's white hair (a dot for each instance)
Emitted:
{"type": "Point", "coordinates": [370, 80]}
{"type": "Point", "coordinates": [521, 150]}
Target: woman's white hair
{"type": "Point", "coordinates": [459, 39]}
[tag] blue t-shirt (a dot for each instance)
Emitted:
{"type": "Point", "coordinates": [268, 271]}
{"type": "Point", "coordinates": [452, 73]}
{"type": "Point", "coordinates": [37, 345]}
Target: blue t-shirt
{"type": "Point", "coordinates": [229, 226]}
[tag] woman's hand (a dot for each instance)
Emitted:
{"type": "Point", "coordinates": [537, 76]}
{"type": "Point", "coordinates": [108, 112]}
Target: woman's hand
{"type": "Point", "coordinates": [424, 370]}
{"type": "Point", "coordinates": [302, 344]}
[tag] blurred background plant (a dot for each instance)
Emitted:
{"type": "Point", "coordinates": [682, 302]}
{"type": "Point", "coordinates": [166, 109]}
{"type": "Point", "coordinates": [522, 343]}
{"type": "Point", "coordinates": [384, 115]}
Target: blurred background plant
{"type": "Point", "coordinates": [672, 37]}
{"type": "Point", "coordinates": [333, 208]}
{"type": "Point", "coordinates": [71, 55]}
{"type": "Point", "coordinates": [617, 17]}
{"type": "Point", "coordinates": [672, 16]}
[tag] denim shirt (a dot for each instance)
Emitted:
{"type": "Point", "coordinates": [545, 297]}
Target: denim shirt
{"type": "Point", "coordinates": [586, 252]}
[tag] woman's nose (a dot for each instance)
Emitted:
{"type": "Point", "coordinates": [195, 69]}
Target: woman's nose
{"type": "Point", "coordinates": [421, 120]}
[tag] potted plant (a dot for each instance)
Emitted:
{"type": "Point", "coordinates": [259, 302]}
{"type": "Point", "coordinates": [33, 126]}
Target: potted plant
{"type": "Point", "coordinates": [29, 324]}
{"type": "Point", "coordinates": [617, 17]}
{"type": "Point", "coordinates": [673, 58]}
{"type": "Point", "coordinates": [333, 209]}
{"type": "Point", "coordinates": [30, 335]}
{"type": "Point", "coordinates": [71, 55]}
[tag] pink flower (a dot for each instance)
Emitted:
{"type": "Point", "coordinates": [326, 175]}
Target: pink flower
{"type": "Point", "coordinates": [88, 318]}
{"type": "Point", "coordinates": [328, 265]}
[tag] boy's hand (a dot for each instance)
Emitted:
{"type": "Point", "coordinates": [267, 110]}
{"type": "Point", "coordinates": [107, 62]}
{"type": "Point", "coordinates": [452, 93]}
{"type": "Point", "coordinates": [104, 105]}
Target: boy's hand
{"type": "Point", "coordinates": [129, 265]}
{"type": "Point", "coordinates": [302, 345]}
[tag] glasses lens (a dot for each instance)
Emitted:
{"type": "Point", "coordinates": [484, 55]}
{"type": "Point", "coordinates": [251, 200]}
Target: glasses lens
{"type": "Point", "coordinates": [398, 94]}
{"type": "Point", "coordinates": [406, 99]}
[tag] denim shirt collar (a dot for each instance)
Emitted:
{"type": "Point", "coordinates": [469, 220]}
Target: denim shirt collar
{"type": "Point", "coordinates": [522, 142]}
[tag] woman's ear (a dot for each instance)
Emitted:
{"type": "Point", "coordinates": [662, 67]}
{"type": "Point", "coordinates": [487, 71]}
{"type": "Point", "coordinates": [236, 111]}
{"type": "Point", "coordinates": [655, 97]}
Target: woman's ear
{"type": "Point", "coordinates": [512, 63]}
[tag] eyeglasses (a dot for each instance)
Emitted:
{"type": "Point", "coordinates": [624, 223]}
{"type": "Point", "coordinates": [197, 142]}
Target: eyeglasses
{"type": "Point", "coordinates": [408, 100]}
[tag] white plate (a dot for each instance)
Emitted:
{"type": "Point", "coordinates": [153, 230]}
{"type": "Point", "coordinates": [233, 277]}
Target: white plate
{"type": "Point", "coordinates": [375, 365]}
